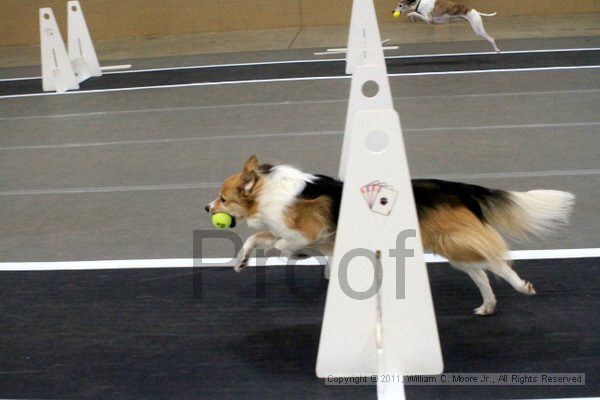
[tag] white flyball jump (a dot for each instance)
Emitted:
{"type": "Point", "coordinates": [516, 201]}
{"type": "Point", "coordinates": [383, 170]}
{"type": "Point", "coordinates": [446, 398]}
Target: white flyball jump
{"type": "Point", "coordinates": [81, 48]}
{"type": "Point", "coordinates": [57, 71]}
{"type": "Point", "coordinates": [379, 317]}
{"type": "Point", "coordinates": [63, 70]}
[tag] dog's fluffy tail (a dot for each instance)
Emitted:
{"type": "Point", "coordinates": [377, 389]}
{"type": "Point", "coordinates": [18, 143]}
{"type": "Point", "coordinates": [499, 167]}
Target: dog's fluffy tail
{"type": "Point", "coordinates": [521, 214]}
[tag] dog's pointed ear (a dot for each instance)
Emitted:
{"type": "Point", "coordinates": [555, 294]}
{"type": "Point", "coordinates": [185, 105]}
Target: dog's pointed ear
{"type": "Point", "coordinates": [251, 165]}
{"type": "Point", "coordinates": [249, 176]}
{"type": "Point", "coordinates": [248, 181]}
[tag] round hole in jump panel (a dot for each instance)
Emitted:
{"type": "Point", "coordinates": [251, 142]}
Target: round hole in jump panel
{"type": "Point", "coordinates": [74, 8]}
{"type": "Point", "coordinates": [377, 141]}
{"type": "Point", "coordinates": [370, 89]}
{"type": "Point", "coordinates": [47, 16]}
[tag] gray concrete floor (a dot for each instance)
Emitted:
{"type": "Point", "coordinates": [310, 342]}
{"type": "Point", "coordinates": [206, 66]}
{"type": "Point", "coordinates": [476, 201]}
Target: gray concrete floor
{"type": "Point", "coordinates": [29, 64]}
{"type": "Point", "coordinates": [125, 175]}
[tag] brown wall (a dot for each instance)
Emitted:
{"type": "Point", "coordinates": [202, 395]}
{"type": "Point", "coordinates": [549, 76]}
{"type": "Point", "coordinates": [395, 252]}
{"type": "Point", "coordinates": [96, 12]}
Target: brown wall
{"type": "Point", "coordinates": [337, 12]}
{"type": "Point", "coordinates": [111, 19]}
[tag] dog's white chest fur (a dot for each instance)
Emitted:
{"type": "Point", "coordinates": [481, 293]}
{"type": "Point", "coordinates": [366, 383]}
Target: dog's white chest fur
{"type": "Point", "coordinates": [426, 7]}
{"type": "Point", "coordinates": [279, 192]}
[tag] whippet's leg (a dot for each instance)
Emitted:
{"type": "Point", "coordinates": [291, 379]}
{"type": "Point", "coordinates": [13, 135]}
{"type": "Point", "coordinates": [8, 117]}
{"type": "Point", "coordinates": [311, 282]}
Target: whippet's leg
{"type": "Point", "coordinates": [477, 24]}
{"type": "Point", "coordinates": [414, 15]}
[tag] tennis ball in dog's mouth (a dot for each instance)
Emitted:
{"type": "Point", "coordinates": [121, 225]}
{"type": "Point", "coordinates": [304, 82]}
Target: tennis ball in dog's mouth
{"type": "Point", "coordinates": [396, 14]}
{"type": "Point", "coordinates": [221, 220]}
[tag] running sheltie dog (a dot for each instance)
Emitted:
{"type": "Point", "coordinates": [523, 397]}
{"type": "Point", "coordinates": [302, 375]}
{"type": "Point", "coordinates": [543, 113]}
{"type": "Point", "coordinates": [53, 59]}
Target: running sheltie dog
{"type": "Point", "coordinates": [461, 222]}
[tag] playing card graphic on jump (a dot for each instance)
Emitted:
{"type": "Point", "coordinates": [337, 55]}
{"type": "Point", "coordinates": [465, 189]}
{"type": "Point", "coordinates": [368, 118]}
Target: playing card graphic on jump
{"type": "Point", "coordinates": [379, 196]}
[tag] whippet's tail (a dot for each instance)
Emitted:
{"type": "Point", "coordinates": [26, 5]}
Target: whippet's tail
{"type": "Point", "coordinates": [486, 15]}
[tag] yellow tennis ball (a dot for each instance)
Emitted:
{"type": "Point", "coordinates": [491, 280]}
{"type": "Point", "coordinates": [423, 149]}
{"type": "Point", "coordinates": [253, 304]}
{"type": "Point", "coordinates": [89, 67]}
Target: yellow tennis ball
{"type": "Point", "coordinates": [396, 14]}
{"type": "Point", "coordinates": [221, 220]}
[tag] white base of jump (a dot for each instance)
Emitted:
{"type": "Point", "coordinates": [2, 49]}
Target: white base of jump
{"type": "Point", "coordinates": [344, 50]}
{"type": "Point", "coordinates": [115, 67]}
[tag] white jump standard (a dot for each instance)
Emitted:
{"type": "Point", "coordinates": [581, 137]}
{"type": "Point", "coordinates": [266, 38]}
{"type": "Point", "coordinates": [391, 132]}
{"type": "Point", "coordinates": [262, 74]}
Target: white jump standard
{"type": "Point", "coordinates": [81, 49]}
{"type": "Point", "coordinates": [57, 71]}
{"type": "Point", "coordinates": [393, 331]}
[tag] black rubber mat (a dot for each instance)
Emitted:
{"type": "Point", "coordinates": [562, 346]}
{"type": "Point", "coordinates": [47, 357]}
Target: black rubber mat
{"type": "Point", "coordinates": [323, 68]}
{"type": "Point", "coordinates": [170, 333]}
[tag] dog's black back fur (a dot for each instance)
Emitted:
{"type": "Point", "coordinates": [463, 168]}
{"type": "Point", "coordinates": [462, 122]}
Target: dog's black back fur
{"type": "Point", "coordinates": [433, 193]}
{"type": "Point", "coordinates": [429, 195]}
{"type": "Point", "coordinates": [325, 186]}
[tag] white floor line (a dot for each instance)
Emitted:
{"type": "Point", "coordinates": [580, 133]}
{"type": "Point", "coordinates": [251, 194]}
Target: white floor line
{"type": "Point", "coordinates": [173, 140]}
{"type": "Point", "coordinates": [486, 71]}
{"type": "Point", "coordinates": [173, 109]}
{"type": "Point", "coordinates": [112, 189]}
{"type": "Point", "coordinates": [26, 78]}
{"type": "Point", "coordinates": [303, 79]}
{"type": "Point", "coordinates": [572, 398]}
{"type": "Point", "coordinates": [321, 60]}
{"type": "Point", "coordinates": [216, 185]}
{"type": "Point", "coordinates": [287, 134]}
{"type": "Point", "coordinates": [274, 261]}
{"type": "Point", "coordinates": [287, 103]}
{"type": "Point", "coordinates": [517, 174]}
{"type": "Point", "coordinates": [325, 60]}
{"type": "Point", "coordinates": [496, 54]}
{"type": "Point", "coordinates": [178, 86]}
{"type": "Point", "coordinates": [510, 126]}
{"type": "Point", "coordinates": [107, 68]}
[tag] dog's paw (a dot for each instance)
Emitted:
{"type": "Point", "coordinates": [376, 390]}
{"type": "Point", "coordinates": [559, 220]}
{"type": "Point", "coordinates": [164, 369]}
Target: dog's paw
{"type": "Point", "coordinates": [412, 16]}
{"type": "Point", "coordinates": [485, 309]}
{"type": "Point", "coordinates": [241, 265]}
{"type": "Point", "coordinates": [528, 289]}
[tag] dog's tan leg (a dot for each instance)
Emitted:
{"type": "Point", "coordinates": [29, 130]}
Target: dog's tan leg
{"type": "Point", "coordinates": [288, 246]}
{"type": "Point", "coordinates": [503, 270]}
{"type": "Point", "coordinates": [260, 239]}
{"type": "Point", "coordinates": [470, 245]}
{"type": "Point", "coordinates": [480, 278]}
